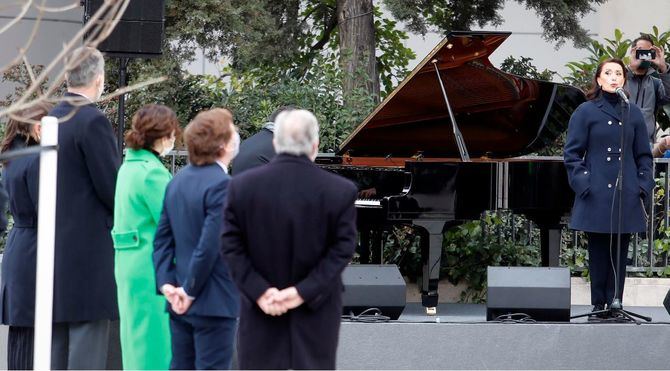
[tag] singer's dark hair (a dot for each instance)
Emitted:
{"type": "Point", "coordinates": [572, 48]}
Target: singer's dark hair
{"type": "Point", "coordinates": [595, 90]}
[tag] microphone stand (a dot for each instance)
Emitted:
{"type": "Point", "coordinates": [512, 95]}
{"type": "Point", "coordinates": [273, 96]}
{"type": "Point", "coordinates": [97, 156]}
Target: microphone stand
{"type": "Point", "coordinates": [616, 311]}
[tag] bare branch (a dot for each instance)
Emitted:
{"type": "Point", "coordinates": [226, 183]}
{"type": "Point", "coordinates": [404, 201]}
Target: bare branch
{"type": "Point", "coordinates": [115, 10]}
{"type": "Point", "coordinates": [29, 68]}
{"type": "Point", "coordinates": [64, 8]}
{"type": "Point", "coordinates": [127, 89]}
{"type": "Point", "coordinates": [81, 101]}
{"type": "Point", "coordinates": [26, 47]}
{"type": "Point", "coordinates": [99, 26]}
{"type": "Point", "coordinates": [18, 17]}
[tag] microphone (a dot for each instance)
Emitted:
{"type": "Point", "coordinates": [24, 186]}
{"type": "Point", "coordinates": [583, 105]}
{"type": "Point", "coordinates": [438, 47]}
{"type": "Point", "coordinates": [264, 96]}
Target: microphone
{"type": "Point", "coordinates": [622, 94]}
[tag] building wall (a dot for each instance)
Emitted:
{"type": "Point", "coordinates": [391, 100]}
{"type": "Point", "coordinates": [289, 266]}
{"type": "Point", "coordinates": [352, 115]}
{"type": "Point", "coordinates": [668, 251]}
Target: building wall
{"type": "Point", "coordinates": [54, 30]}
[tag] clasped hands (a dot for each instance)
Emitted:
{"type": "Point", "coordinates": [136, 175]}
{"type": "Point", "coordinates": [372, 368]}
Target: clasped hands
{"type": "Point", "coordinates": [177, 297]}
{"type": "Point", "coordinates": [275, 302]}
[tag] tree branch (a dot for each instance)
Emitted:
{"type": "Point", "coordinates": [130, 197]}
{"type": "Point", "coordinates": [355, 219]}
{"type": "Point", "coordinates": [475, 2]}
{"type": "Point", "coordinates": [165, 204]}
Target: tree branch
{"type": "Point", "coordinates": [327, 31]}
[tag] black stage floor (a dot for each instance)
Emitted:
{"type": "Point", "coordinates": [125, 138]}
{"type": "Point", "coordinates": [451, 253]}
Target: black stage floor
{"type": "Point", "coordinates": [459, 337]}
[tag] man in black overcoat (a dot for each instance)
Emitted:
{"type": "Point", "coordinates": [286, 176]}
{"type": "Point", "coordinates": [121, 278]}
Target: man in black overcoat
{"type": "Point", "coordinates": [289, 231]}
{"type": "Point", "coordinates": [88, 160]}
{"type": "Point", "coordinates": [257, 149]}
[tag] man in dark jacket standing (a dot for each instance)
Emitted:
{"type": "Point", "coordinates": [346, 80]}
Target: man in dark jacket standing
{"type": "Point", "coordinates": [258, 150]}
{"type": "Point", "coordinates": [647, 91]}
{"type": "Point", "coordinates": [88, 159]}
{"type": "Point", "coordinates": [287, 249]}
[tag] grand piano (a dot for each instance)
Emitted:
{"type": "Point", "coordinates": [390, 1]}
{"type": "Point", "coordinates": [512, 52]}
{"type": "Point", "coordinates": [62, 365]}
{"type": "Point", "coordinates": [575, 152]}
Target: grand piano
{"type": "Point", "coordinates": [452, 141]}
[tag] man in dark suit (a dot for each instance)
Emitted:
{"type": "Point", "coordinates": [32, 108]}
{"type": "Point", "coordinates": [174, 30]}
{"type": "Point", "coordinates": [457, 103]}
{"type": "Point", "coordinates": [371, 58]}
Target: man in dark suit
{"type": "Point", "coordinates": [287, 248]}
{"type": "Point", "coordinates": [88, 159]}
{"type": "Point", "coordinates": [258, 150]}
{"type": "Point", "coordinates": [190, 270]}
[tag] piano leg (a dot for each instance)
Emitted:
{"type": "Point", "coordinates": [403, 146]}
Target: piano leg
{"type": "Point", "coordinates": [364, 246]}
{"type": "Point", "coordinates": [376, 246]}
{"type": "Point", "coordinates": [431, 254]}
{"type": "Point", "coordinates": [550, 246]}
{"type": "Point", "coordinates": [371, 245]}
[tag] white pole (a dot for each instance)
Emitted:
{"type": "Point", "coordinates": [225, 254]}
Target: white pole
{"type": "Point", "coordinates": [46, 234]}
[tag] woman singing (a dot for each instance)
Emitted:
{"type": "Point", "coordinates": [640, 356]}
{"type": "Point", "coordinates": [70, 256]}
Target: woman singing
{"type": "Point", "coordinates": [593, 155]}
{"type": "Point", "coordinates": [140, 187]}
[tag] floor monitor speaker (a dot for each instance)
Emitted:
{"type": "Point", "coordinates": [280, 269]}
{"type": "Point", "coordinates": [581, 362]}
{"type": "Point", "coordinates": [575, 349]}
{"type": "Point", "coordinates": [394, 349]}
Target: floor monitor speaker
{"type": "Point", "coordinates": [543, 293]}
{"type": "Point", "coordinates": [373, 286]}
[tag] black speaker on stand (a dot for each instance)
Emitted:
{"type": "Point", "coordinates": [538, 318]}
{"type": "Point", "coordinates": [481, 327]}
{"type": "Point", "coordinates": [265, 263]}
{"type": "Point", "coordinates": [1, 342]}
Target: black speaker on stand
{"type": "Point", "coordinates": [138, 34]}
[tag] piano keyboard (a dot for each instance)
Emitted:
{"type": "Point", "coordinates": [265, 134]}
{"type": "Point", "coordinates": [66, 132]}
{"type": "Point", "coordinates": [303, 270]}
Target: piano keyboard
{"type": "Point", "coordinates": [368, 202]}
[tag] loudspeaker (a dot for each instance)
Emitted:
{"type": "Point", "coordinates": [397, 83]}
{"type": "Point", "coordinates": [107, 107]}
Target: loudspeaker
{"type": "Point", "coordinates": [543, 293]}
{"type": "Point", "coordinates": [373, 286]}
{"type": "Point", "coordinates": [666, 302]}
{"type": "Point", "coordinates": [139, 33]}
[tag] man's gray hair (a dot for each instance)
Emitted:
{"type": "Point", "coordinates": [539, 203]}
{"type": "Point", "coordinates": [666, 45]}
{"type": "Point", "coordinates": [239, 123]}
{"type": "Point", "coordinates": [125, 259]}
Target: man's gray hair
{"type": "Point", "coordinates": [86, 64]}
{"type": "Point", "coordinates": [296, 131]}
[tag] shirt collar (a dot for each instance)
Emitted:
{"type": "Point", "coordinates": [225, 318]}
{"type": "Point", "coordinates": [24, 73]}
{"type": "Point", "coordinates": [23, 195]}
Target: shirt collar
{"type": "Point", "coordinates": [82, 95]}
{"type": "Point", "coordinates": [269, 126]}
{"type": "Point", "coordinates": [223, 166]}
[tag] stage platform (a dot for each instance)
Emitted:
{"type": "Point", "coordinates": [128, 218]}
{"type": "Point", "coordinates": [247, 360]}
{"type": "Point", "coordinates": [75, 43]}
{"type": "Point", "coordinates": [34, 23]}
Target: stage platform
{"type": "Point", "coordinates": [459, 337]}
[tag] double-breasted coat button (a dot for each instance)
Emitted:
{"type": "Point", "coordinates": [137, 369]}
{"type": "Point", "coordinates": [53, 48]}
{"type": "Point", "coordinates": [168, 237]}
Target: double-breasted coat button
{"type": "Point", "coordinates": [620, 123]}
{"type": "Point", "coordinates": [609, 185]}
{"type": "Point", "coordinates": [586, 172]}
{"type": "Point", "coordinates": [609, 159]}
{"type": "Point", "coordinates": [609, 149]}
{"type": "Point", "coordinates": [609, 122]}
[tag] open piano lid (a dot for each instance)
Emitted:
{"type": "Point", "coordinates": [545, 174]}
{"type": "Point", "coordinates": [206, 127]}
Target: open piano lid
{"type": "Point", "coordinates": [500, 115]}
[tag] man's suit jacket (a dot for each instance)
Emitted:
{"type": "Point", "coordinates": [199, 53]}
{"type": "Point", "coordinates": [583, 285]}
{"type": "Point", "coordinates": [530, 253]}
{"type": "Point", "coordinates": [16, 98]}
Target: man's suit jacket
{"type": "Point", "coordinates": [187, 245]}
{"type": "Point", "coordinates": [289, 223]}
{"type": "Point", "coordinates": [255, 151]}
{"type": "Point", "coordinates": [88, 160]}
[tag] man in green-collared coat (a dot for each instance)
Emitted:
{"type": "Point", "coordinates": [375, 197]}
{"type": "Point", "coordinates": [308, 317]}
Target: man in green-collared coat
{"type": "Point", "coordinates": [140, 188]}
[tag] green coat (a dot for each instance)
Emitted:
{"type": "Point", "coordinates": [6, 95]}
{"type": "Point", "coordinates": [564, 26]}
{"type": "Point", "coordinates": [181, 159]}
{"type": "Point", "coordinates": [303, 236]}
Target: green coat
{"type": "Point", "coordinates": [144, 323]}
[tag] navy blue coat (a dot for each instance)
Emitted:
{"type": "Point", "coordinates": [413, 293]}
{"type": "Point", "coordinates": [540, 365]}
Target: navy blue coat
{"type": "Point", "coordinates": [289, 223]}
{"type": "Point", "coordinates": [17, 291]}
{"type": "Point", "coordinates": [187, 245]}
{"type": "Point", "coordinates": [255, 151]}
{"type": "Point", "coordinates": [592, 153]}
{"type": "Point", "coordinates": [88, 160]}
{"type": "Point", "coordinates": [3, 208]}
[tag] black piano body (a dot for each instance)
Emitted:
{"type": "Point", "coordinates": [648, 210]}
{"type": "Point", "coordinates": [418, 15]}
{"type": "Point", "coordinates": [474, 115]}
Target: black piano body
{"type": "Point", "coordinates": [407, 151]}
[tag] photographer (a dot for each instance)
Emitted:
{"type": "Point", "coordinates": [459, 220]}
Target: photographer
{"type": "Point", "coordinates": [647, 91]}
